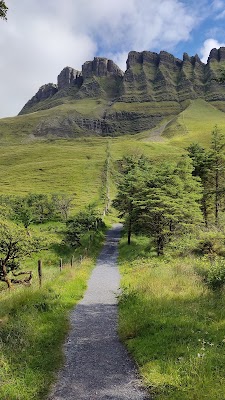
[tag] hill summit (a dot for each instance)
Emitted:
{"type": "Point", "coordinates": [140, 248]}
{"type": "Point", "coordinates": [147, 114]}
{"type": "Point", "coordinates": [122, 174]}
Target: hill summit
{"type": "Point", "coordinates": [102, 99]}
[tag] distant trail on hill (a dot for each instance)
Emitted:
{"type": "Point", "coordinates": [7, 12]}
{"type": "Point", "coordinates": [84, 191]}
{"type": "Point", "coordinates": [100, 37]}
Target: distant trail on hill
{"type": "Point", "coordinates": [98, 366]}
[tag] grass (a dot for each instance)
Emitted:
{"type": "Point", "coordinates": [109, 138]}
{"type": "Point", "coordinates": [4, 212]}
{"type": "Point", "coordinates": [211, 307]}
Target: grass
{"type": "Point", "coordinates": [62, 167]}
{"type": "Point", "coordinates": [172, 325]}
{"type": "Point", "coordinates": [33, 326]}
{"type": "Point", "coordinates": [195, 124]}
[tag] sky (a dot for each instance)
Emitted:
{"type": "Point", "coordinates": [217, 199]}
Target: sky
{"type": "Point", "coordinates": [41, 37]}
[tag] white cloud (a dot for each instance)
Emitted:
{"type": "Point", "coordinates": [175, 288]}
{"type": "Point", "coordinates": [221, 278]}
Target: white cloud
{"type": "Point", "coordinates": [218, 4]}
{"type": "Point", "coordinates": [42, 37]}
{"type": "Point", "coordinates": [208, 45]}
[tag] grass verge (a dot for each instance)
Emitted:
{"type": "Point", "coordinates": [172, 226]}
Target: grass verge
{"type": "Point", "coordinates": [172, 325]}
{"type": "Point", "coordinates": [33, 326]}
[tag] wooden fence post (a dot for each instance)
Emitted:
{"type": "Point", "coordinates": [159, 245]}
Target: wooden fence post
{"type": "Point", "coordinates": [72, 261]}
{"type": "Point", "coordinates": [40, 272]}
{"type": "Point", "coordinates": [60, 264]}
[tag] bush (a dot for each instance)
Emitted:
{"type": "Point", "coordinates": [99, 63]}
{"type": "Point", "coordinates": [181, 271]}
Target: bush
{"type": "Point", "coordinates": [213, 276]}
{"type": "Point", "coordinates": [86, 221]}
{"type": "Point", "coordinates": [211, 243]}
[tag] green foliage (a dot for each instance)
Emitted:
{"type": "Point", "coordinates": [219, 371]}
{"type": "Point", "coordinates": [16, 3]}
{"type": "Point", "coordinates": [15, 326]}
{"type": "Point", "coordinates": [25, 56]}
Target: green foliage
{"type": "Point", "coordinates": [33, 327]}
{"type": "Point", "coordinates": [209, 167]}
{"type": "Point", "coordinates": [84, 222]}
{"type": "Point", "coordinates": [211, 242]}
{"type": "Point", "coordinates": [212, 275]}
{"type": "Point", "coordinates": [172, 325]}
{"type": "Point", "coordinates": [3, 10]}
{"type": "Point", "coordinates": [158, 200]}
{"type": "Point", "coordinates": [131, 169]}
{"type": "Point", "coordinates": [221, 79]}
{"type": "Point", "coordinates": [15, 245]}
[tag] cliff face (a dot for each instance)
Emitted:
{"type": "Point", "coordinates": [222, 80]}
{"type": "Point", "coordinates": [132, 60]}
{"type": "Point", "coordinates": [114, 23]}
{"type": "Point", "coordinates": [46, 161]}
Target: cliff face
{"type": "Point", "coordinates": [153, 85]}
{"type": "Point", "coordinates": [162, 77]}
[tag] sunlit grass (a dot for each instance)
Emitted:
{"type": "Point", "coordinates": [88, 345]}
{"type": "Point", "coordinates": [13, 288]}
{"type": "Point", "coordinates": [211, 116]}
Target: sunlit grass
{"type": "Point", "coordinates": [173, 326]}
{"type": "Point", "coordinates": [33, 325]}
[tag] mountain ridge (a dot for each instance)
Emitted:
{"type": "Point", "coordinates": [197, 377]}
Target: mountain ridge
{"type": "Point", "coordinates": [149, 77]}
{"type": "Point", "coordinates": [103, 100]}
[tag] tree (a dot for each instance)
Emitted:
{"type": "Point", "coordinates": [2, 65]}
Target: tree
{"type": "Point", "coordinates": [3, 10]}
{"type": "Point", "coordinates": [217, 169]}
{"type": "Point", "coordinates": [209, 166]}
{"type": "Point", "coordinates": [131, 169]}
{"type": "Point", "coordinates": [159, 200]}
{"type": "Point", "coordinates": [169, 202]}
{"type": "Point", "coordinates": [85, 221]}
{"type": "Point", "coordinates": [14, 246]}
{"type": "Point", "coordinates": [202, 163]}
{"type": "Point", "coordinates": [62, 204]}
{"type": "Point", "coordinates": [22, 212]}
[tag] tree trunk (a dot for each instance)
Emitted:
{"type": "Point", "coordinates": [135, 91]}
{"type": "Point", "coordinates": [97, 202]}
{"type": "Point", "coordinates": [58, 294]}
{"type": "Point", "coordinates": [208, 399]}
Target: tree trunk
{"type": "Point", "coordinates": [129, 231]}
{"type": "Point", "coordinates": [205, 211]}
{"type": "Point", "coordinates": [5, 275]}
{"type": "Point", "coordinates": [217, 197]}
{"type": "Point", "coordinates": [160, 246]}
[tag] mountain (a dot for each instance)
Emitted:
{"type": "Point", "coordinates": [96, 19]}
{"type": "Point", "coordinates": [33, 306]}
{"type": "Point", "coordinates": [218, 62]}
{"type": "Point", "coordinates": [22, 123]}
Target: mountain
{"type": "Point", "coordinates": [103, 100]}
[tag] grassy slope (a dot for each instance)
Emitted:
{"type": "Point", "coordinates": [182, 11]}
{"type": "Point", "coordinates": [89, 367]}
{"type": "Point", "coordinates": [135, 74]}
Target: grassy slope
{"type": "Point", "coordinates": [76, 167]}
{"type": "Point", "coordinates": [172, 325]}
{"type": "Point", "coordinates": [60, 167]}
{"type": "Point", "coordinates": [17, 129]}
{"type": "Point", "coordinates": [195, 124]}
{"type": "Point", "coordinates": [33, 325]}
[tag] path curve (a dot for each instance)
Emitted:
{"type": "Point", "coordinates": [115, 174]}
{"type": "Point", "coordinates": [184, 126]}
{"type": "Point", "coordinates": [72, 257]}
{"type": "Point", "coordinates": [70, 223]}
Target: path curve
{"type": "Point", "coordinates": [97, 364]}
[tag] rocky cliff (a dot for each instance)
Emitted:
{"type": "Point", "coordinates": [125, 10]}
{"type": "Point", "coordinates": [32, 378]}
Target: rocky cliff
{"type": "Point", "coordinates": [152, 87]}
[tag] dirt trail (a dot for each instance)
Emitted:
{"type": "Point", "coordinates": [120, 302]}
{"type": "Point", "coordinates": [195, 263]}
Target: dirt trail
{"type": "Point", "coordinates": [97, 364]}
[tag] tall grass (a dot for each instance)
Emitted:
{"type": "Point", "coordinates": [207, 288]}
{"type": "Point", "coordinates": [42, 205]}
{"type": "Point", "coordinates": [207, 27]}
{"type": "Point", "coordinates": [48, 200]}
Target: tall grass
{"type": "Point", "coordinates": [33, 325]}
{"type": "Point", "coordinates": [173, 325]}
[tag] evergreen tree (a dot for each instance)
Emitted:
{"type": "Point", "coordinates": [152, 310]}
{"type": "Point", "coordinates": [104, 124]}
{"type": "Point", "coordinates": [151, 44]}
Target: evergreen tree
{"type": "Point", "coordinates": [209, 166]}
{"type": "Point", "coordinates": [202, 163]}
{"type": "Point", "coordinates": [158, 200]}
{"type": "Point", "coordinates": [3, 9]}
{"type": "Point", "coordinates": [131, 170]}
{"type": "Point", "coordinates": [169, 202]}
{"type": "Point", "coordinates": [217, 169]}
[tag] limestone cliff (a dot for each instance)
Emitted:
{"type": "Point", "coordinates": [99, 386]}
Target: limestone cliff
{"type": "Point", "coordinates": [154, 85]}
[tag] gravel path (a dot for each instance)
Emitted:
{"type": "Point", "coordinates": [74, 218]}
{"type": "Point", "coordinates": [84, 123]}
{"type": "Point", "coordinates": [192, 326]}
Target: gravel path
{"type": "Point", "coordinates": [97, 364]}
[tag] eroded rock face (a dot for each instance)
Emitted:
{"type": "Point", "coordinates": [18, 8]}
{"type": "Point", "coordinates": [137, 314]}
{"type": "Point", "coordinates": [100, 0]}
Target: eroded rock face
{"type": "Point", "coordinates": [45, 92]}
{"type": "Point", "coordinates": [161, 80]}
{"type": "Point", "coordinates": [100, 67]}
{"type": "Point", "coordinates": [69, 76]}
{"type": "Point", "coordinates": [163, 77]}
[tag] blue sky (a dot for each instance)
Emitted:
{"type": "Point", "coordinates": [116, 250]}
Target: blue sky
{"type": "Point", "coordinates": [42, 37]}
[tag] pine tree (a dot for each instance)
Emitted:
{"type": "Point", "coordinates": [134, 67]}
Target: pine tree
{"type": "Point", "coordinates": [158, 200]}
{"type": "Point", "coordinates": [169, 202]}
{"type": "Point", "coordinates": [202, 163]}
{"type": "Point", "coordinates": [130, 180]}
{"type": "Point", "coordinates": [217, 169]}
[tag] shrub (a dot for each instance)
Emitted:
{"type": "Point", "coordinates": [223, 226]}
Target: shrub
{"type": "Point", "coordinates": [211, 243]}
{"type": "Point", "coordinates": [213, 276]}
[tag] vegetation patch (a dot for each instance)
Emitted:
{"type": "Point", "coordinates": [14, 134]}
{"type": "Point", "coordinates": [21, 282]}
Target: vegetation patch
{"type": "Point", "coordinates": [33, 325]}
{"type": "Point", "coordinates": [172, 323]}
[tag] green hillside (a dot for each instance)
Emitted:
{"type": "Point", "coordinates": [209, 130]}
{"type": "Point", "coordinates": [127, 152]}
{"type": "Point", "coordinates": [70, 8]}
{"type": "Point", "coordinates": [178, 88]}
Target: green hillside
{"type": "Point", "coordinates": [76, 166]}
{"type": "Point", "coordinates": [195, 123]}
{"type": "Point", "coordinates": [52, 151]}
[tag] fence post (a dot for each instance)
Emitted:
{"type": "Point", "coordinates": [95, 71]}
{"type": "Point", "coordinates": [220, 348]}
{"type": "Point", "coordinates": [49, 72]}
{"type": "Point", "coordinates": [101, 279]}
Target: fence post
{"type": "Point", "coordinates": [60, 264]}
{"type": "Point", "coordinates": [40, 272]}
{"type": "Point", "coordinates": [72, 261]}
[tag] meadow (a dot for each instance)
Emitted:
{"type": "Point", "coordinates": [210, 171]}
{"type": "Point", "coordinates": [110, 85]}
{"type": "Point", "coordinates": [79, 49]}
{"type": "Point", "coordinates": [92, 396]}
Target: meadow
{"type": "Point", "coordinates": [171, 323]}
